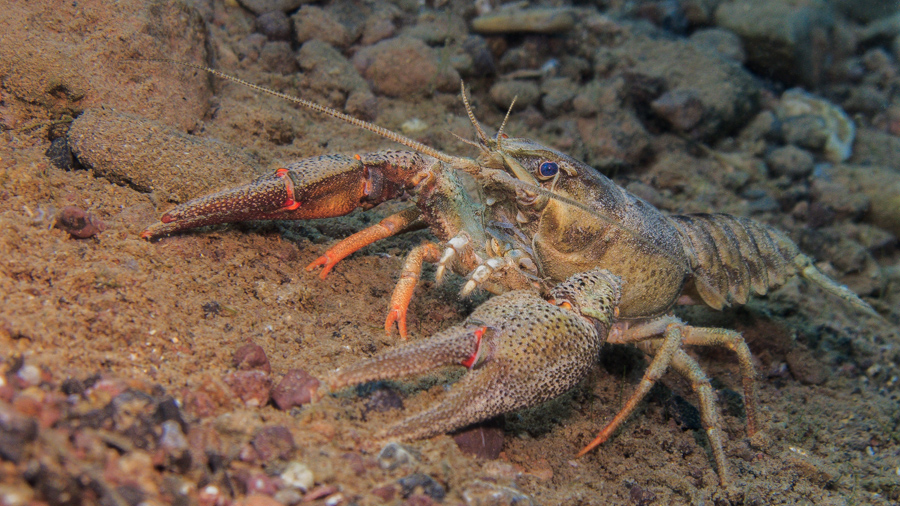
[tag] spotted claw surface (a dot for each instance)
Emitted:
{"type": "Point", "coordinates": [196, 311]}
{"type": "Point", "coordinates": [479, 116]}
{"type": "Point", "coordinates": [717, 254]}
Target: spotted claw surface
{"type": "Point", "coordinates": [520, 349]}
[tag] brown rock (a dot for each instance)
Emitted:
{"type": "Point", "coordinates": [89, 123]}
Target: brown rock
{"type": "Point", "coordinates": [405, 66]}
{"type": "Point", "coordinates": [275, 442]}
{"type": "Point", "coordinates": [257, 500]}
{"type": "Point", "coordinates": [682, 108]}
{"type": "Point", "coordinates": [805, 368]}
{"type": "Point", "coordinates": [104, 140]}
{"type": "Point", "coordinates": [252, 387]}
{"type": "Point", "coordinates": [481, 442]}
{"type": "Point", "coordinates": [297, 388]}
{"type": "Point", "coordinates": [198, 403]}
{"type": "Point", "coordinates": [79, 62]}
{"type": "Point", "coordinates": [312, 22]}
{"type": "Point", "coordinates": [251, 356]}
{"type": "Point", "coordinates": [385, 493]}
{"type": "Point", "coordinates": [78, 222]}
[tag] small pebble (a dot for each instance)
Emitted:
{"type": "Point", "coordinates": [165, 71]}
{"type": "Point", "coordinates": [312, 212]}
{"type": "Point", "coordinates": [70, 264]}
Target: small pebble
{"type": "Point", "coordinates": [274, 442]}
{"type": "Point", "coordinates": [383, 399]}
{"type": "Point", "coordinates": [298, 475]}
{"type": "Point", "coordinates": [394, 455]}
{"type": "Point", "coordinates": [526, 94]}
{"type": "Point", "coordinates": [319, 492]}
{"type": "Point", "coordinates": [424, 483]}
{"type": "Point", "coordinates": [481, 442]}
{"type": "Point", "coordinates": [60, 155]}
{"type": "Point", "coordinates": [790, 161]}
{"type": "Point", "coordinates": [277, 56]}
{"type": "Point", "coordinates": [275, 25]}
{"type": "Point", "coordinates": [29, 375]}
{"type": "Point", "coordinates": [297, 388]}
{"type": "Point", "coordinates": [251, 356]}
{"type": "Point", "coordinates": [16, 431]}
{"type": "Point", "coordinates": [288, 496]}
{"type": "Point", "coordinates": [805, 368]}
{"type": "Point", "coordinates": [482, 492]}
{"type": "Point", "coordinates": [682, 108]}
{"type": "Point", "coordinates": [256, 500]}
{"type": "Point", "coordinates": [312, 22]}
{"type": "Point", "coordinates": [78, 222]}
{"type": "Point", "coordinates": [259, 483]}
{"type": "Point", "coordinates": [252, 387]}
{"type": "Point", "coordinates": [172, 439]}
{"type": "Point", "coordinates": [386, 493]}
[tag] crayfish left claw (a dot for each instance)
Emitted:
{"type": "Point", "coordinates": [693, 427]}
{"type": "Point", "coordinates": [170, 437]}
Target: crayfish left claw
{"type": "Point", "coordinates": [520, 349]}
{"type": "Point", "coordinates": [318, 187]}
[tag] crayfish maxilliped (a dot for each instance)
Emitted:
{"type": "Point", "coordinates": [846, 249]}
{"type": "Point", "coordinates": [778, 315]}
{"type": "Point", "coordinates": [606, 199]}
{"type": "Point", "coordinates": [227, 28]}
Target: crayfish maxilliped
{"type": "Point", "coordinates": [577, 261]}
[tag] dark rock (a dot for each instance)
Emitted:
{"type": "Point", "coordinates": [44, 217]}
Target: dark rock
{"type": "Point", "coordinates": [251, 356]}
{"type": "Point", "coordinates": [681, 108]}
{"type": "Point", "coordinates": [54, 487]}
{"type": "Point", "coordinates": [168, 410]}
{"type": "Point", "coordinates": [805, 368]}
{"type": "Point", "coordinates": [383, 399]}
{"type": "Point", "coordinates": [481, 442]}
{"type": "Point", "coordinates": [790, 161]}
{"type": "Point", "coordinates": [422, 483]}
{"type": "Point", "coordinates": [722, 43]}
{"type": "Point", "coordinates": [780, 37]}
{"type": "Point", "coordinates": [641, 496]}
{"type": "Point", "coordinates": [482, 58]}
{"type": "Point", "coordinates": [252, 387]}
{"type": "Point", "coordinates": [60, 155]}
{"type": "Point", "coordinates": [277, 56]}
{"type": "Point", "coordinates": [275, 25]}
{"type": "Point", "coordinates": [394, 455]}
{"type": "Point", "coordinates": [683, 412]}
{"type": "Point", "coordinates": [78, 222]}
{"type": "Point", "coordinates": [72, 386]}
{"type": "Point", "coordinates": [16, 431]}
{"type": "Point", "coordinates": [297, 388]}
{"type": "Point", "coordinates": [728, 93]}
{"type": "Point", "coordinates": [805, 130]}
{"type": "Point", "coordinates": [131, 494]}
{"type": "Point", "coordinates": [275, 442]}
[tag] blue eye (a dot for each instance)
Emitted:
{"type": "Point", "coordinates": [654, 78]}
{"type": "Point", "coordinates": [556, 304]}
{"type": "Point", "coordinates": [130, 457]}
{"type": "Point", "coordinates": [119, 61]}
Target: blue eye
{"type": "Point", "coordinates": [549, 169]}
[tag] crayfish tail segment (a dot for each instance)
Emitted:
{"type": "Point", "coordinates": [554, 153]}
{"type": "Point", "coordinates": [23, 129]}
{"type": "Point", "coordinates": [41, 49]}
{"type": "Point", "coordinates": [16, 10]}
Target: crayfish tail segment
{"type": "Point", "coordinates": [809, 271]}
{"type": "Point", "coordinates": [732, 256]}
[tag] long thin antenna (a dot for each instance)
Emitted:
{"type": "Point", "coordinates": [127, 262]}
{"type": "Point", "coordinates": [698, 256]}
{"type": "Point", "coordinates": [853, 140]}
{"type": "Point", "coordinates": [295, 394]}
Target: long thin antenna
{"type": "Point", "coordinates": [481, 135]}
{"type": "Point", "coordinates": [384, 132]}
{"type": "Point", "coordinates": [461, 163]}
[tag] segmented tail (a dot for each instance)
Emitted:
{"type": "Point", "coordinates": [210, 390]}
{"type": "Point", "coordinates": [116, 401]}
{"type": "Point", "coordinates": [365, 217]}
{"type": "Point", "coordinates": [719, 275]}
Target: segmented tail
{"type": "Point", "coordinates": [730, 256]}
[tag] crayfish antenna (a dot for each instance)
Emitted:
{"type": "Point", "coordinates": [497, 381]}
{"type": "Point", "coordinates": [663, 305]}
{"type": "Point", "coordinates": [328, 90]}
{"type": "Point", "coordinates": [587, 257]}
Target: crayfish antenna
{"type": "Point", "coordinates": [456, 161]}
{"type": "Point", "coordinates": [482, 137]}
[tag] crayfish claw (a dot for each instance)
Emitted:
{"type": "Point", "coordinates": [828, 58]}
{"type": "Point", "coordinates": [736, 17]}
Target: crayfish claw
{"type": "Point", "coordinates": [520, 351]}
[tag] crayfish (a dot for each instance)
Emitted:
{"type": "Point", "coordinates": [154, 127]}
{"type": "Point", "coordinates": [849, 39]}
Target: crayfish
{"type": "Point", "coordinates": [575, 259]}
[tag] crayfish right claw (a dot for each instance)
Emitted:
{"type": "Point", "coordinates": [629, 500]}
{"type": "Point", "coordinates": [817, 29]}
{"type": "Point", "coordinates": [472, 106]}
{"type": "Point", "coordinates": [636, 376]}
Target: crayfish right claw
{"type": "Point", "coordinates": [520, 351]}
